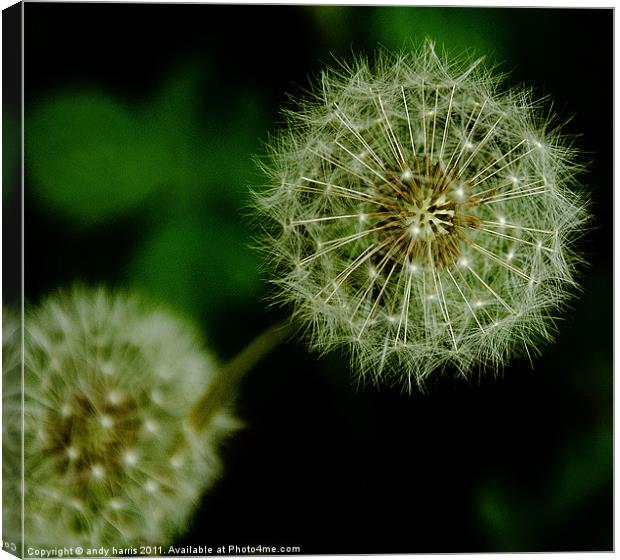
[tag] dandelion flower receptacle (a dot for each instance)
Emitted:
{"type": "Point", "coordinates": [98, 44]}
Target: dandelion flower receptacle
{"type": "Point", "coordinates": [109, 457]}
{"type": "Point", "coordinates": [421, 217]}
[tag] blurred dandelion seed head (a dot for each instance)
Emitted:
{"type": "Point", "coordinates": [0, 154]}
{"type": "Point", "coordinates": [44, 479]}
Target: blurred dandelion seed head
{"type": "Point", "coordinates": [421, 217]}
{"type": "Point", "coordinates": [108, 383]}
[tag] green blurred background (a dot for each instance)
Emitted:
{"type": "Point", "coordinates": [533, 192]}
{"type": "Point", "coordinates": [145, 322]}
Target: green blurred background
{"type": "Point", "coordinates": [141, 124]}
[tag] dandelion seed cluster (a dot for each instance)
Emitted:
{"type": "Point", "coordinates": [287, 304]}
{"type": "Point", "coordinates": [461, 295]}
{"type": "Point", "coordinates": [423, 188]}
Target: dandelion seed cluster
{"type": "Point", "coordinates": [422, 217]}
{"type": "Point", "coordinates": [108, 456]}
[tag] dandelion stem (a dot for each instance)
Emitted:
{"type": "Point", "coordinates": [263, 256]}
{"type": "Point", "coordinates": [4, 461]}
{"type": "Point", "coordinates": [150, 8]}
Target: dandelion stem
{"type": "Point", "coordinates": [222, 390]}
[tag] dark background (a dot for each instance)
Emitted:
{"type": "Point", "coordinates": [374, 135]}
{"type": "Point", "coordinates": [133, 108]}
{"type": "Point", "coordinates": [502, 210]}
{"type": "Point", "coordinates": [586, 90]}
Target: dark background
{"type": "Point", "coordinates": [518, 463]}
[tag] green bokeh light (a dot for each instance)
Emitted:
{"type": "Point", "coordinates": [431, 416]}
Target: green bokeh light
{"type": "Point", "coordinates": [88, 157]}
{"type": "Point", "coordinates": [528, 520]}
{"type": "Point", "coordinates": [458, 29]}
{"type": "Point", "coordinates": [198, 264]}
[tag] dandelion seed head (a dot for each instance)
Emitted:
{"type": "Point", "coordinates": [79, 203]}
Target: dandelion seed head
{"type": "Point", "coordinates": [151, 426]}
{"type": "Point", "coordinates": [463, 186]}
{"type": "Point", "coordinates": [106, 421]}
{"type": "Point", "coordinates": [83, 427]}
{"type": "Point", "coordinates": [130, 457]}
{"type": "Point", "coordinates": [412, 268]}
{"type": "Point", "coordinates": [406, 175]}
{"type": "Point", "coordinates": [72, 453]}
{"type": "Point", "coordinates": [114, 397]}
{"type": "Point", "coordinates": [97, 471]}
{"type": "Point", "coordinates": [116, 504]}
